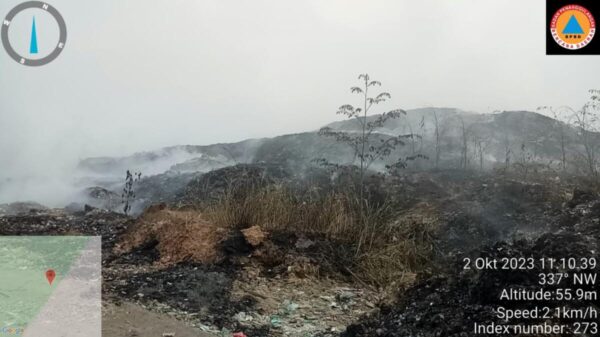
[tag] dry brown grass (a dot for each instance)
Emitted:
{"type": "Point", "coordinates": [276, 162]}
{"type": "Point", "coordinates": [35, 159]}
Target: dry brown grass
{"type": "Point", "coordinates": [386, 248]}
{"type": "Point", "coordinates": [407, 250]}
{"type": "Point", "coordinates": [179, 236]}
{"type": "Point", "coordinates": [390, 248]}
{"type": "Point", "coordinates": [275, 208]}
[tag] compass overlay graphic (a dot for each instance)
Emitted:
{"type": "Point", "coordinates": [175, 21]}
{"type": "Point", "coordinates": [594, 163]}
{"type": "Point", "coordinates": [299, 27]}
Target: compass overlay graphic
{"type": "Point", "coordinates": [33, 38]}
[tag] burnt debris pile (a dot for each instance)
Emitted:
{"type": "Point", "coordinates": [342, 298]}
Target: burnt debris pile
{"type": "Point", "coordinates": [222, 270]}
{"type": "Point", "coordinates": [450, 304]}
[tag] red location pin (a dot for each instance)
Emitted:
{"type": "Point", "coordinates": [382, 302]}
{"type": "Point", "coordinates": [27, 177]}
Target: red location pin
{"type": "Point", "coordinates": [50, 275]}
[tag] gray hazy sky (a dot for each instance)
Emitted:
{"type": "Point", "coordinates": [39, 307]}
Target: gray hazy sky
{"type": "Point", "coordinates": [142, 74]}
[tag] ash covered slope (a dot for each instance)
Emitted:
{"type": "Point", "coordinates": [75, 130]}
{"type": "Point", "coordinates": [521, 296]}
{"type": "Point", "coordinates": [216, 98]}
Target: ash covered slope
{"type": "Point", "coordinates": [180, 158]}
{"type": "Point", "coordinates": [524, 135]}
{"type": "Point", "coordinates": [519, 140]}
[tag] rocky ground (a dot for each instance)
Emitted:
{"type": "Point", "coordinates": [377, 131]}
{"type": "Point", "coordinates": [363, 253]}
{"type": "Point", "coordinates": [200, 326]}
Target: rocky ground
{"type": "Point", "coordinates": [168, 271]}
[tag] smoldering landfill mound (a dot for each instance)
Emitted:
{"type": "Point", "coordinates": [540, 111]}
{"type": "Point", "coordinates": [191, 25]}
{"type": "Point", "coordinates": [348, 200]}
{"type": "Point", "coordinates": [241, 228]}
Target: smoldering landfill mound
{"type": "Point", "coordinates": [268, 280]}
{"type": "Point", "coordinates": [253, 237]}
{"type": "Point", "coordinates": [523, 141]}
{"type": "Point", "coordinates": [452, 304]}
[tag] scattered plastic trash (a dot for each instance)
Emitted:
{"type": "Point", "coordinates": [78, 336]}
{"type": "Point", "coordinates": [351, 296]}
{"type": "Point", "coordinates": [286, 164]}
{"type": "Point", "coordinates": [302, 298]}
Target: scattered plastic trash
{"type": "Point", "coordinates": [346, 296]}
{"type": "Point", "coordinates": [275, 321]}
{"type": "Point", "coordinates": [225, 332]}
{"type": "Point", "coordinates": [239, 334]}
{"type": "Point", "coordinates": [289, 307]}
{"type": "Point", "coordinates": [242, 317]}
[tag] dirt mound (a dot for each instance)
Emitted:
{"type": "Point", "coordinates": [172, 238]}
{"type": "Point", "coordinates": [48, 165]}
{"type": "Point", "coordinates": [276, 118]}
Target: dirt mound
{"type": "Point", "coordinates": [165, 237]}
{"type": "Point", "coordinates": [177, 235]}
{"type": "Point", "coordinates": [254, 235]}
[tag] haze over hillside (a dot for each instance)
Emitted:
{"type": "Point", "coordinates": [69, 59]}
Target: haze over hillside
{"type": "Point", "coordinates": [490, 139]}
{"type": "Point", "coordinates": [514, 129]}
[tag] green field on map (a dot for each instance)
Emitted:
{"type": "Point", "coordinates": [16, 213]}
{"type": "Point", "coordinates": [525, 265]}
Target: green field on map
{"type": "Point", "coordinates": [24, 289]}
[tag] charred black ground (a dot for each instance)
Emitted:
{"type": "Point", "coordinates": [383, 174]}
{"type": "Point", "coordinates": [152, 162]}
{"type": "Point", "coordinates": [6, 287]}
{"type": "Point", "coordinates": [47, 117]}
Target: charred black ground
{"type": "Point", "coordinates": [294, 283]}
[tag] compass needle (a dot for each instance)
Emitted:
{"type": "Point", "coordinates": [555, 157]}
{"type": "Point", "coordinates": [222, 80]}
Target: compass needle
{"type": "Point", "coordinates": [33, 45]}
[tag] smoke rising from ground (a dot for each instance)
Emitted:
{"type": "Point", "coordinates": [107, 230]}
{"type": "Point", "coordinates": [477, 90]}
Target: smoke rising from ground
{"type": "Point", "coordinates": [141, 75]}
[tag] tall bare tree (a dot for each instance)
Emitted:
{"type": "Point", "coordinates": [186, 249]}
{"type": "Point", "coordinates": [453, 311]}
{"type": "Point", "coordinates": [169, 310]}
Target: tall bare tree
{"type": "Point", "coordinates": [586, 120]}
{"type": "Point", "coordinates": [128, 194]}
{"type": "Point", "coordinates": [506, 139]}
{"type": "Point", "coordinates": [365, 148]}
{"type": "Point", "coordinates": [481, 142]}
{"type": "Point", "coordinates": [437, 149]}
{"type": "Point", "coordinates": [464, 150]}
{"type": "Point", "coordinates": [562, 118]}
